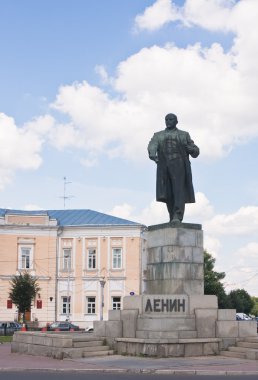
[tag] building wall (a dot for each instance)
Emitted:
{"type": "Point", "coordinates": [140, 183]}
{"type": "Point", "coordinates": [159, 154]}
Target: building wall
{"type": "Point", "coordinates": [82, 282]}
{"type": "Point", "coordinates": [42, 244]}
{"type": "Point", "coordinates": [57, 279]}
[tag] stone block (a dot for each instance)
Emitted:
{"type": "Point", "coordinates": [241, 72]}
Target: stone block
{"type": "Point", "coordinates": [193, 349]}
{"type": "Point", "coordinates": [43, 340]}
{"type": "Point", "coordinates": [187, 334]}
{"type": "Point", "coordinates": [114, 329]}
{"type": "Point", "coordinates": [226, 314]}
{"type": "Point", "coordinates": [197, 255]}
{"type": "Point", "coordinates": [202, 302]}
{"type": "Point", "coordinates": [226, 342]}
{"type": "Point", "coordinates": [227, 329]}
{"type": "Point", "coordinates": [129, 318]}
{"type": "Point", "coordinates": [187, 237]}
{"type": "Point", "coordinates": [252, 355]}
{"type": "Point", "coordinates": [176, 254]}
{"type": "Point", "coordinates": [166, 324]}
{"type": "Point", "coordinates": [247, 328]}
{"type": "Point", "coordinates": [132, 303]}
{"type": "Point", "coordinates": [161, 237]}
{"type": "Point", "coordinates": [114, 315]}
{"type": "Point", "coordinates": [22, 337]}
{"type": "Point", "coordinates": [99, 328]}
{"type": "Point", "coordinates": [205, 322]}
{"type": "Point", "coordinates": [62, 342]}
{"type": "Point", "coordinates": [35, 349]}
{"type": "Point", "coordinates": [19, 347]}
{"type": "Point", "coordinates": [210, 348]}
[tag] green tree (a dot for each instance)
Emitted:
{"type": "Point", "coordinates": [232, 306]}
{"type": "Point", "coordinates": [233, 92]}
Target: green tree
{"type": "Point", "coordinates": [254, 310]}
{"type": "Point", "coordinates": [212, 281]}
{"type": "Point", "coordinates": [241, 301]}
{"type": "Point", "coordinates": [24, 289]}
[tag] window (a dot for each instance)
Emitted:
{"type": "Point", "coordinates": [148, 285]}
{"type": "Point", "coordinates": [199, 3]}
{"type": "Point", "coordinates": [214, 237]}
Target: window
{"type": "Point", "coordinates": [91, 258]}
{"type": "Point", "coordinates": [91, 305]}
{"type": "Point", "coordinates": [25, 258]}
{"type": "Point", "coordinates": [66, 305]}
{"type": "Point", "coordinates": [67, 256]}
{"type": "Point", "coordinates": [9, 304]}
{"type": "Point", "coordinates": [117, 258]}
{"type": "Point", "coordinates": [116, 303]}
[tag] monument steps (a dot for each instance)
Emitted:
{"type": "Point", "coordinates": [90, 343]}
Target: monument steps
{"type": "Point", "coordinates": [60, 345]}
{"type": "Point", "coordinates": [246, 349]}
{"type": "Point", "coordinates": [98, 353]}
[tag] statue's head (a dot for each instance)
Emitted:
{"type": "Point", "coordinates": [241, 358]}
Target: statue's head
{"type": "Point", "coordinates": [171, 120]}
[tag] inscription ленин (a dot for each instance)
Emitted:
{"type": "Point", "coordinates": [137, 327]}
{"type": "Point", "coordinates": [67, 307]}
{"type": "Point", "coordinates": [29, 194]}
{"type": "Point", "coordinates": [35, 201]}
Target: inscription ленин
{"type": "Point", "coordinates": [165, 305]}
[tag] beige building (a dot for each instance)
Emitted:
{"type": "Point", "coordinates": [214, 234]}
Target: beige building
{"type": "Point", "coordinates": [83, 259]}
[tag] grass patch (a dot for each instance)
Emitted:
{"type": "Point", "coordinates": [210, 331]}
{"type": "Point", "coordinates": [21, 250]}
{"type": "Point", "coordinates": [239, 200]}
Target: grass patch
{"type": "Point", "coordinates": [6, 339]}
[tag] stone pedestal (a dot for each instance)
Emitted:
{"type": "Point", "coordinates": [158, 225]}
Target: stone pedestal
{"type": "Point", "coordinates": [174, 259]}
{"type": "Point", "coordinates": [172, 317]}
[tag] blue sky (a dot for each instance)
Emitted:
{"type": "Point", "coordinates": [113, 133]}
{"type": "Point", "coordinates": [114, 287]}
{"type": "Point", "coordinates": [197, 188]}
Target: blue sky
{"type": "Point", "coordinates": [85, 84]}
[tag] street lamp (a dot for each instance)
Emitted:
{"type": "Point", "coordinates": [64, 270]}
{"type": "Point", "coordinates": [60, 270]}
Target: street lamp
{"type": "Point", "coordinates": [102, 284]}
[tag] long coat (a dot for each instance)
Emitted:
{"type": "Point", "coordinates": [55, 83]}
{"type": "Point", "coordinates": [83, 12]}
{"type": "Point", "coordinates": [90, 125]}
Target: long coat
{"type": "Point", "coordinates": [157, 148]}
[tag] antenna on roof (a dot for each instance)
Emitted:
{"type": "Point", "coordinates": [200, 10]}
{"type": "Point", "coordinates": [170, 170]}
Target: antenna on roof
{"type": "Point", "coordinates": [65, 197]}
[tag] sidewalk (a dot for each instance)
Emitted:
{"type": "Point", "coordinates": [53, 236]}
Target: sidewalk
{"type": "Point", "coordinates": [216, 365]}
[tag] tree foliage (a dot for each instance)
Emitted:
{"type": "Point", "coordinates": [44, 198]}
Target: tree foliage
{"type": "Point", "coordinates": [254, 310]}
{"type": "Point", "coordinates": [212, 281]}
{"type": "Point", "coordinates": [24, 289]}
{"type": "Point", "coordinates": [241, 301]}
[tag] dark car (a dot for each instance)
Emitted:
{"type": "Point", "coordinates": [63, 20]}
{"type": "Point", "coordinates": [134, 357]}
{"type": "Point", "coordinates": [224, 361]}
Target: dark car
{"type": "Point", "coordinates": [9, 327]}
{"type": "Point", "coordinates": [63, 326]}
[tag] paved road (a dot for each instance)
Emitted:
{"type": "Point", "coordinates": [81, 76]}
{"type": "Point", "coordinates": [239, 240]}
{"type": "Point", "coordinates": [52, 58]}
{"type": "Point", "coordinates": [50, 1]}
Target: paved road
{"type": "Point", "coordinates": [117, 365]}
{"type": "Point", "coordinates": [101, 376]}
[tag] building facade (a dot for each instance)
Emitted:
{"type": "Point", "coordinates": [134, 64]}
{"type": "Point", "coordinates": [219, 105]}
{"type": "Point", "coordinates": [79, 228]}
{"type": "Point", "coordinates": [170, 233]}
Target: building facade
{"type": "Point", "coordinates": [85, 262]}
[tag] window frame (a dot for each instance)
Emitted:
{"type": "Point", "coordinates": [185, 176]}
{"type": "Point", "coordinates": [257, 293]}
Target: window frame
{"type": "Point", "coordinates": [116, 260]}
{"type": "Point", "coordinates": [67, 261]}
{"type": "Point", "coordinates": [25, 258]}
{"type": "Point", "coordinates": [66, 305]}
{"type": "Point", "coordinates": [91, 305]}
{"type": "Point", "coordinates": [91, 260]}
{"type": "Point", "coordinates": [116, 302]}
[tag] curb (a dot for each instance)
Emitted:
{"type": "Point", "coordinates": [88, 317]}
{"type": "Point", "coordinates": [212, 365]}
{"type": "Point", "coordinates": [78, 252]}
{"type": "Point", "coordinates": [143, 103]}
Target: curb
{"type": "Point", "coordinates": [135, 371]}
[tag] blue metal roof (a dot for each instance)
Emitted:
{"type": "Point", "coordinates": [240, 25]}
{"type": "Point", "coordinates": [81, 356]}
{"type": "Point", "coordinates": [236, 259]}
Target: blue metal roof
{"type": "Point", "coordinates": [75, 217]}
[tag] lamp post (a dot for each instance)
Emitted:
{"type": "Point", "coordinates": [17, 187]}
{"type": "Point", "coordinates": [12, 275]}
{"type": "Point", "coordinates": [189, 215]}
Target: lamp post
{"type": "Point", "coordinates": [102, 284]}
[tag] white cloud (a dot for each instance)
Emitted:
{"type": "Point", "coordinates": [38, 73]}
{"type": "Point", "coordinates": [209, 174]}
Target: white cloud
{"type": "Point", "coordinates": [200, 210]}
{"type": "Point", "coordinates": [192, 12]}
{"type": "Point", "coordinates": [122, 211]}
{"type": "Point", "coordinates": [243, 222]}
{"type": "Point", "coordinates": [20, 147]}
{"type": "Point", "coordinates": [32, 207]}
{"type": "Point", "coordinates": [158, 14]}
{"type": "Point", "coordinates": [212, 92]}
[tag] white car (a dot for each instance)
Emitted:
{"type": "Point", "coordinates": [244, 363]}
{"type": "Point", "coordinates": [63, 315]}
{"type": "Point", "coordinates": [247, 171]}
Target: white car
{"type": "Point", "coordinates": [243, 317]}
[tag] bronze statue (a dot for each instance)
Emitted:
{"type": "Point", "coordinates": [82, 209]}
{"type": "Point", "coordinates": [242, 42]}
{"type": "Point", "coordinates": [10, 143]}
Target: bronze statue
{"type": "Point", "coordinates": [170, 149]}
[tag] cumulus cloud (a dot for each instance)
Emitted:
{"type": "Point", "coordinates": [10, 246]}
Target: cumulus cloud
{"type": "Point", "coordinates": [20, 147]}
{"type": "Point", "coordinates": [211, 91]}
{"type": "Point", "coordinates": [158, 14]}
{"type": "Point", "coordinates": [192, 12]}
{"type": "Point", "coordinates": [243, 222]}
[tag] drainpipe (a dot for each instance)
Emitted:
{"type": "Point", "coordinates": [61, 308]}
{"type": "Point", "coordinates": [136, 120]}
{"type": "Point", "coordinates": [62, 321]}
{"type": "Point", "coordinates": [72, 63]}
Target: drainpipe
{"type": "Point", "coordinates": [58, 234]}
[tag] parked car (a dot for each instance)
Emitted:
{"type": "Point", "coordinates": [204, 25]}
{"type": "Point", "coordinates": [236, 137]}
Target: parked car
{"type": "Point", "coordinates": [243, 317]}
{"type": "Point", "coordinates": [89, 329]}
{"type": "Point", "coordinates": [63, 326]}
{"type": "Point", "coordinates": [9, 327]}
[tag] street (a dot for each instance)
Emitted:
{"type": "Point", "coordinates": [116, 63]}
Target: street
{"type": "Point", "coordinates": [43, 375]}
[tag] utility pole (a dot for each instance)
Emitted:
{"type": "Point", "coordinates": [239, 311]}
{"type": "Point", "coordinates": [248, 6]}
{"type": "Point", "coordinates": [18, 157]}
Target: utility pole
{"type": "Point", "coordinates": [102, 284]}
